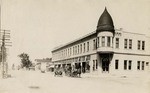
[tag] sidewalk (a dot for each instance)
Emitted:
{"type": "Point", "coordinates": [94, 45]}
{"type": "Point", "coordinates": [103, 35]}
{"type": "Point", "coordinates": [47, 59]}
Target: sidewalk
{"type": "Point", "coordinates": [129, 75]}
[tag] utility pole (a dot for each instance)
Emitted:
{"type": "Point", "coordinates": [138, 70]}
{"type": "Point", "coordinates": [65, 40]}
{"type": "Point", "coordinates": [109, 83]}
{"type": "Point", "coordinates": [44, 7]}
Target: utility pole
{"type": "Point", "coordinates": [4, 65]}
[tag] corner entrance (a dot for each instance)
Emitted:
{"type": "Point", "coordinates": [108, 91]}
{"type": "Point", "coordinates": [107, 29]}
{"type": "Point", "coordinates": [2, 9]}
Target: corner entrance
{"type": "Point", "coordinates": [105, 65]}
{"type": "Point", "coordinates": [105, 59]}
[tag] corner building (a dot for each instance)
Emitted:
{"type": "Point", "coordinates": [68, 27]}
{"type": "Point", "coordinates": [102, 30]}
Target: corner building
{"type": "Point", "coordinates": [106, 50]}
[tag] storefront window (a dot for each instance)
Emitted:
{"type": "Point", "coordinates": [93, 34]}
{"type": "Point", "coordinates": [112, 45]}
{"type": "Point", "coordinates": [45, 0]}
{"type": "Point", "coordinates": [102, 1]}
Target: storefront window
{"type": "Point", "coordinates": [143, 65]}
{"type": "Point", "coordinates": [138, 65]}
{"type": "Point", "coordinates": [116, 64]}
{"type": "Point", "coordinates": [130, 64]}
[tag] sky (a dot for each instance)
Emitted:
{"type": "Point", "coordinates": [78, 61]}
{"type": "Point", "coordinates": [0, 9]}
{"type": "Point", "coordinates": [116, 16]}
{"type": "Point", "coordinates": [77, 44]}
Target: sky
{"type": "Point", "coordinates": [37, 26]}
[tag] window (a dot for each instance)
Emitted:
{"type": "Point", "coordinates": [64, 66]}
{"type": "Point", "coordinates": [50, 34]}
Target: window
{"type": "Point", "coordinates": [125, 43]}
{"type": "Point", "coordinates": [94, 44]}
{"type": "Point", "coordinates": [143, 45]}
{"type": "Point", "coordinates": [97, 41]}
{"type": "Point", "coordinates": [139, 44]}
{"type": "Point", "coordinates": [93, 65]}
{"type": "Point", "coordinates": [125, 64]}
{"type": "Point", "coordinates": [84, 47]}
{"type": "Point", "coordinates": [64, 53]}
{"type": "Point", "coordinates": [75, 50]}
{"type": "Point", "coordinates": [147, 63]}
{"type": "Point", "coordinates": [143, 65]}
{"type": "Point", "coordinates": [80, 48]}
{"type": "Point", "coordinates": [130, 43]}
{"type": "Point", "coordinates": [87, 46]}
{"type": "Point", "coordinates": [108, 41]}
{"type": "Point", "coordinates": [117, 42]}
{"type": "Point", "coordinates": [116, 64]}
{"type": "Point", "coordinates": [130, 64]}
{"type": "Point", "coordinates": [138, 65]}
{"type": "Point", "coordinates": [96, 64]}
{"type": "Point", "coordinates": [103, 41]}
{"type": "Point", "coordinates": [70, 51]}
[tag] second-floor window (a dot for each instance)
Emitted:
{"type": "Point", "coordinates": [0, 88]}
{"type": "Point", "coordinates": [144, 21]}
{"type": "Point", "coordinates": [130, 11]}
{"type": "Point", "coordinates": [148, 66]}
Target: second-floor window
{"type": "Point", "coordinates": [103, 41]}
{"type": "Point", "coordinates": [80, 48]}
{"type": "Point", "coordinates": [70, 51]}
{"type": "Point", "coordinates": [87, 46]}
{"type": "Point", "coordinates": [108, 41]}
{"type": "Point", "coordinates": [75, 50]}
{"type": "Point", "coordinates": [97, 41]}
{"type": "Point", "coordinates": [117, 42]}
{"type": "Point", "coordinates": [143, 45]}
{"type": "Point", "coordinates": [94, 44]}
{"type": "Point", "coordinates": [130, 43]}
{"type": "Point", "coordinates": [84, 47]}
{"type": "Point", "coordinates": [125, 43]}
{"type": "Point", "coordinates": [139, 44]}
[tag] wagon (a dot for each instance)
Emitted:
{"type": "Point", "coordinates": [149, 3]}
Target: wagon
{"type": "Point", "coordinates": [58, 73]}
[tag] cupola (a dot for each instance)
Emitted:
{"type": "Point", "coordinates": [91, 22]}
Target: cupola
{"type": "Point", "coordinates": [105, 22]}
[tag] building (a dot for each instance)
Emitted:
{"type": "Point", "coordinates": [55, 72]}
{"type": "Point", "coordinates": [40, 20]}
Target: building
{"type": "Point", "coordinates": [106, 50]}
{"type": "Point", "coordinates": [44, 64]}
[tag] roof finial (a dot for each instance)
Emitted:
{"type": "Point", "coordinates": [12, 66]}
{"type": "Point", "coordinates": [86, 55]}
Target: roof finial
{"type": "Point", "coordinates": [105, 8]}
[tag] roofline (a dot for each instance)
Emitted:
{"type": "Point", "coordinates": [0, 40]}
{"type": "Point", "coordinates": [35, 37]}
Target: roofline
{"type": "Point", "coordinates": [133, 33]}
{"type": "Point", "coordinates": [61, 46]}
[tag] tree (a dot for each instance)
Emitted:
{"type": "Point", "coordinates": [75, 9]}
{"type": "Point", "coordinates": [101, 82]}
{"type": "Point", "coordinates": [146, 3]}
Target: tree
{"type": "Point", "coordinates": [25, 60]}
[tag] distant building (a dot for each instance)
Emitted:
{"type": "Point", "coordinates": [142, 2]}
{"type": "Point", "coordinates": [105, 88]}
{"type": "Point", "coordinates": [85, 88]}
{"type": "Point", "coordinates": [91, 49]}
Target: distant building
{"type": "Point", "coordinates": [106, 50]}
{"type": "Point", "coordinates": [44, 64]}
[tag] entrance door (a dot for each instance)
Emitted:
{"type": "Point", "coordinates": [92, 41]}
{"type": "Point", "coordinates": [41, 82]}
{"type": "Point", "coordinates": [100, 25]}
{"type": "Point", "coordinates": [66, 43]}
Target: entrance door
{"type": "Point", "coordinates": [105, 64]}
{"type": "Point", "coordinates": [83, 67]}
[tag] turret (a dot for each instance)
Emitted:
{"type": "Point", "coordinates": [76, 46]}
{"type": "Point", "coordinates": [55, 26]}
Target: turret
{"type": "Point", "coordinates": [105, 32]}
{"type": "Point", "coordinates": [105, 22]}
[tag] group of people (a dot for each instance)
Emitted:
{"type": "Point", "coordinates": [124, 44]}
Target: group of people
{"type": "Point", "coordinates": [68, 71]}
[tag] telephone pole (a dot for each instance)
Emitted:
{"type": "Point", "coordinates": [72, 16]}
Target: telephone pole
{"type": "Point", "coordinates": [4, 38]}
{"type": "Point", "coordinates": [4, 41]}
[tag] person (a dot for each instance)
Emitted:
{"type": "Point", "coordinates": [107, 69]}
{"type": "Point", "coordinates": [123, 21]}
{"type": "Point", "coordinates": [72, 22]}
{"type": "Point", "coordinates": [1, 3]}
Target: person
{"type": "Point", "coordinates": [79, 71]}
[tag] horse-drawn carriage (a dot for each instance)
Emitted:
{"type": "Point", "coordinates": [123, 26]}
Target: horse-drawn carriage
{"type": "Point", "coordinates": [73, 73]}
{"type": "Point", "coordinates": [68, 71]}
{"type": "Point", "coordinates": [58, 72]}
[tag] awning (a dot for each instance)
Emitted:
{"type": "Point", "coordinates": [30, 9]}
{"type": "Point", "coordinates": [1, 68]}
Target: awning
{"type": "Point", "coordinates": [51, 66]}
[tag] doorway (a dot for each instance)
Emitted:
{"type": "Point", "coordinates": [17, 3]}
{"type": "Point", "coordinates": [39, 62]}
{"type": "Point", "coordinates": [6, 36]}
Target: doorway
{"type": "Point", "coordinates": [105, 64]}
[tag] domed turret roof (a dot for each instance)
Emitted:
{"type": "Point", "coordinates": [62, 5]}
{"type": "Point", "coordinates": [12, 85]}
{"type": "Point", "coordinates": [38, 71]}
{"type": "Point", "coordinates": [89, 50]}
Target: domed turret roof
{"type": "Point", "coordinates": [105, 22]}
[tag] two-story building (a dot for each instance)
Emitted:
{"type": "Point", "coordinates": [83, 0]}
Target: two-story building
{"type": "Point", "coordinates": [106, 50]}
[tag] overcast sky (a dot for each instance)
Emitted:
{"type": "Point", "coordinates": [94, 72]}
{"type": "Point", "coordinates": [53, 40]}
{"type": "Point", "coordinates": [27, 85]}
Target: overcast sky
{"type": "Point", "coordinates": [37, 26]}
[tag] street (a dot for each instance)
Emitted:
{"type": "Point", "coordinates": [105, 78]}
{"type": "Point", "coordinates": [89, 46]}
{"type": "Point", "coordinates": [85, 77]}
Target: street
{"type": "Point", "coordinates": [37, 82]}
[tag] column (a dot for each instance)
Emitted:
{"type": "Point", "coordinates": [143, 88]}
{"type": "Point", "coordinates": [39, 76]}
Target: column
{"type": "Point", "coordinates": [100, 41]}
{"type": "Point", "coordinates": [105, 41]}
{"type": "Point", "coordinates": [111, 41]}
